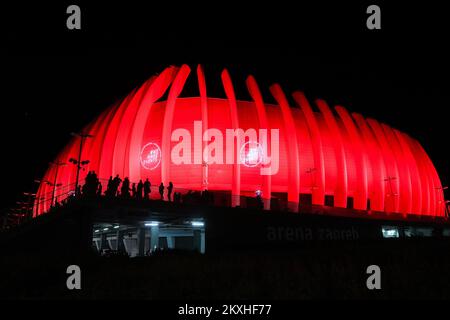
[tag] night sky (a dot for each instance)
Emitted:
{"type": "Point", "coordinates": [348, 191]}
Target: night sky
{"type": "Point", "coordinates": [55, 81]}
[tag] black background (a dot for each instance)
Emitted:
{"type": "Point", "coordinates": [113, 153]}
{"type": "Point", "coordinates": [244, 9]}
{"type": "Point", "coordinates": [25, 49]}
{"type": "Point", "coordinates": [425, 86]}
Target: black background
{"type": "Point", "coordinates": [55, 80]}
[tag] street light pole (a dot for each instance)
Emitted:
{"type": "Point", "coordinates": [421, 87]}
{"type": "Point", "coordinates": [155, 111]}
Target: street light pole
{"type": "Point", "coordinates": [439, 190]}
{"type": "Point", "coordinates": [389, 180]}
{"type": "Point", "coordinates": [82, 136]}
{"type": "Point", "coordinates": [57, 164]}
{"type": "Point", "coordinates": [391, 193]}
{"type": "Point", "coordinates": [311, 172]}
{"type": "Point", "coordinates": [30, 196]}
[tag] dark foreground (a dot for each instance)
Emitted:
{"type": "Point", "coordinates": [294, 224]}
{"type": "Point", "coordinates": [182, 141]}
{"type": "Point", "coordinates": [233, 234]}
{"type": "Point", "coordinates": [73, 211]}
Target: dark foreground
{"type": "Point", "coordinates": [409, 269]}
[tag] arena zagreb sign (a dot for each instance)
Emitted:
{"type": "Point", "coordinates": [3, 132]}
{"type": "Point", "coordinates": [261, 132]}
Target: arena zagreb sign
{"type": "Point", "coordinates": [250, 148]}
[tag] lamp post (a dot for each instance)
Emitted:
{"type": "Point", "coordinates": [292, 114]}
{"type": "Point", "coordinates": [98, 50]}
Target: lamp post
{"type": "Point", "coordinates": [78, 162]}
{"type": "Point", "coordinates": [446, 203]}
{"type": "Point", "coordinates": [439, 190]}
{"type": "Point", "coordinates": [311, 172]}
{"type": "Point", "coordinates": [54, 184]}
{"type": "Point", "coordinates": [36, 199]}
{"type": "Point", "coordinates": [205, 181]}
{"type": "Point", "coordinates": [19, 212]}
{"type": "Point", "coordinates": [391, 193]}
{"type": "Point", "coordinates": [389, 181]}
{"type": "Point", "coordinates": [30, 196]}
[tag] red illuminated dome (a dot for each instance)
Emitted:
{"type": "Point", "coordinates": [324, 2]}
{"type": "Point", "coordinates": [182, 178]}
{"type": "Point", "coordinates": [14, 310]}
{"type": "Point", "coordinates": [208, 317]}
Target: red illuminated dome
{"type": "Point", "coordinates": [323, 152]}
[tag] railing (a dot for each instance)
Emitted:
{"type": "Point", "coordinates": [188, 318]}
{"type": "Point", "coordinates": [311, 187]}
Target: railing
{"type": "Point", "coordinates": [182, 195]}
{"type": "Point", "coordinates": [212, 197]}
{"type": "Point", "coordinates": [62, 193]}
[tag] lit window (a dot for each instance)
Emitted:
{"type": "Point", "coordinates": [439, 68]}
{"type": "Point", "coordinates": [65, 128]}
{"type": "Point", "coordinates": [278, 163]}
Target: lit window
{"type": "Point", "coordinates": [390, 232]}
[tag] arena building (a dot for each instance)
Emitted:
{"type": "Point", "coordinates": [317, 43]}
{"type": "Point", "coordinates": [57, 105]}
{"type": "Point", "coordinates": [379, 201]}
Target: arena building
{"type": "Point", "coordinates": [294, 156]}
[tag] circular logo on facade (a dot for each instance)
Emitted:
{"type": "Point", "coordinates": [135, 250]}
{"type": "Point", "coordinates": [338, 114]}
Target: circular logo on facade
{"type": "Point", "coordinates": [251, 154]}
{"type": "Point", "coordinates": [150, 156]}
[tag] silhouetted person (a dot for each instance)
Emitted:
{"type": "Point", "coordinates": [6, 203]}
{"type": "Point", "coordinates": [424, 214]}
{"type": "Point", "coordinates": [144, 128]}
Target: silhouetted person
{"type": "Point", "coordinates": [133, 190]}
{"type": "Point", "coordinates": [169, 191]}
{"type": "Point", "coordinates": [188, 196]}
{"type": "Point", "coordinates": [125, 190]}
{"type": "Point", "coordinates": [140, 186]}
{"type": "Point", "coordinates": [91, 184]}
{"type": "Point", "coordinates": [84, 189]}
{"type": "Point", "coordinates": [161, 191]}
{"type": "Point", "coordinates": [95, 182]}
{"type": "Point", "coordinates": [205, 196]}
{"type": "Point", "coordinates": [110, 187]}
{"type": "Point", "coordinates": [259, 200]}
{"type": "Point", "coordinates": [147, 189]}
{"type": "Point", "coordinates": [116, 184]}
{"type": "Point", "coordinates": [99, 189]}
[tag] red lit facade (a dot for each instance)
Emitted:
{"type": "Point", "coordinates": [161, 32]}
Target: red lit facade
{"type": "Point", "coordinates": [324, 151]}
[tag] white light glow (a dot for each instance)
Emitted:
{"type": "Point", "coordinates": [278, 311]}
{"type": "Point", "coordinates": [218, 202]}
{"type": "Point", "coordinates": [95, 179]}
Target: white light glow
{"type": "Point", "coordinates": [390, 232]}
{"type": "Point", "coordinates": [197, 224]}
{"type": "Point", "coordinates": [152, 224]}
